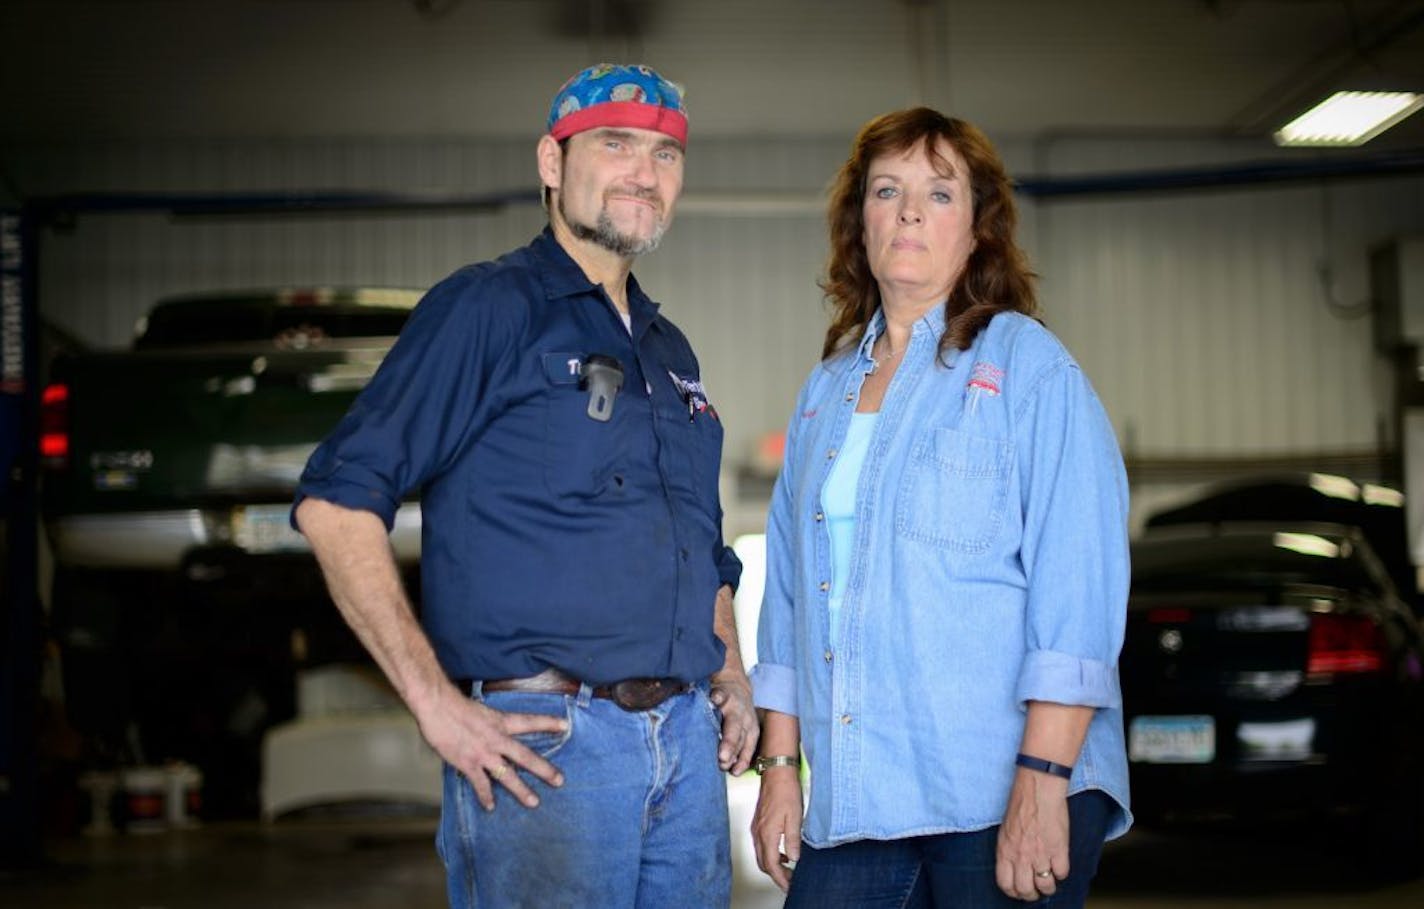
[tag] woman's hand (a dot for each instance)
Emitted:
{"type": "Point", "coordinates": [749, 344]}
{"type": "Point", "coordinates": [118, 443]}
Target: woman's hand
{"type": "Point", "coordinates": [1033, 839]}
{"type": "Point", "coordinates": [776, 825]}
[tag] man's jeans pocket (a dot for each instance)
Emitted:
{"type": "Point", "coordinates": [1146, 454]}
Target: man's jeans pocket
{"type": "Point", "coordinates": [544, 744]}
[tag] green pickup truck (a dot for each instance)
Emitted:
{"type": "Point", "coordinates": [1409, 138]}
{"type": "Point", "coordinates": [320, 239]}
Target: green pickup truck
{"type": "Point", "coordinates": [182, 601]}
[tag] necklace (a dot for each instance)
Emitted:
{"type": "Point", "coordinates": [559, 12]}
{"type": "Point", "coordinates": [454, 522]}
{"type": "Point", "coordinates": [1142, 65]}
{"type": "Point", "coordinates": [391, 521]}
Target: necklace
{"type": "Point", "coordinates": [877, 362]}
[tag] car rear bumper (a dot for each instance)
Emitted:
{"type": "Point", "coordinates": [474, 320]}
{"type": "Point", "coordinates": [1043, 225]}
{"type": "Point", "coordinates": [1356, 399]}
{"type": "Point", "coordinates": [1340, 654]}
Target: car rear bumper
{"type": "Point", "coordinates": [163, 540]}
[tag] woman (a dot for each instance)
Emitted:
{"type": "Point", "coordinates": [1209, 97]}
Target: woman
{"type": "Point", "coordinates": [947, 562]}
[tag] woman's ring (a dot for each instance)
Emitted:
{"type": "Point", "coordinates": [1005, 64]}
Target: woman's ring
{"type": "Point", "coordinates": [1043, 874]}
{"type": "Point", "coordinates": [499, 772]}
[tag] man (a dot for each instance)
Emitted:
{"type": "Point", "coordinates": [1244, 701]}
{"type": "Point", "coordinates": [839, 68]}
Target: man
{"type": "Point", "coordinates": [575, 641]}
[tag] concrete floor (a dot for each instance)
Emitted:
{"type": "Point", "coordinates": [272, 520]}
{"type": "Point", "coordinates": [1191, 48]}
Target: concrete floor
{"type": "Point", "coordinates": [389, 863]}
{"type": "Point", "coordinates": [392, 863]}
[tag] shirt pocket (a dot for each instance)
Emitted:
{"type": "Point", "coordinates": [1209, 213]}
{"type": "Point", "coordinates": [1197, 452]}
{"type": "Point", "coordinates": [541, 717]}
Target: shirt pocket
{"type": "Point", "coordinates": [694, 432]}
{"type": "Point", "coordinates": [583, 457]}
{"type": "Point", "coordinates": [954, 491]}
{"type": "Point", "coordinates": [705, 434]}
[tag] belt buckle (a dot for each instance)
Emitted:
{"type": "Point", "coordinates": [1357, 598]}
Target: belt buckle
{"type": "Point", "coordinates": [635, 695]}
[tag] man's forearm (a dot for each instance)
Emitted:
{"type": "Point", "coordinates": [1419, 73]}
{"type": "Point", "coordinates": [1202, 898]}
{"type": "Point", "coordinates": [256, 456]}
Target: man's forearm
{"type": "Point", "coordinates": [361, 574]}
{"type": "Point", "coordinates": [732, 693]}
{"type": "Point", "coordinates": [724, 623]}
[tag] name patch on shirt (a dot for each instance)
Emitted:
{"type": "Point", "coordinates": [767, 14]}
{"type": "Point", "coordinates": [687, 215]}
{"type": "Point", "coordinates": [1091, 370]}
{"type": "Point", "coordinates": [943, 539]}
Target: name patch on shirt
{"type": "Point", "coordinates": [562, 368]}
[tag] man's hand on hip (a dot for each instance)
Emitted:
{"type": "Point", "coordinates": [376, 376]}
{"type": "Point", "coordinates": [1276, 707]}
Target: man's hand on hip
{"type": "Point", "coordinates": [479, 742]}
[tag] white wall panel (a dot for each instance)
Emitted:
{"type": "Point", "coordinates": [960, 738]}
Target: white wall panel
{"type": "Point", "coordinates": [1202, 319]}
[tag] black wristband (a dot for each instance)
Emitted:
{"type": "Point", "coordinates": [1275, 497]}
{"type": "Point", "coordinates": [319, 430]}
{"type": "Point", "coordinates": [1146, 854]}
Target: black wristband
{"type": "Point", "coordinates": [1039, 764]}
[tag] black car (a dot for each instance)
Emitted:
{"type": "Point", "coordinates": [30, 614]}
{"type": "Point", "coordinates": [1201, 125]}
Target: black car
{"type": "Point", "coordinates": [1272, 669]}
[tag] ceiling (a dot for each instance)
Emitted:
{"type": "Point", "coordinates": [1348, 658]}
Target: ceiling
{"type": "Point", "coordinates": [1022, 69]}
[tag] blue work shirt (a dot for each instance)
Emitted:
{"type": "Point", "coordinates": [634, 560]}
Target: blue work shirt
{"type": "Point", "coordinates": [989, 568]}
{"type": "Point", "coordinates": [549, 538]}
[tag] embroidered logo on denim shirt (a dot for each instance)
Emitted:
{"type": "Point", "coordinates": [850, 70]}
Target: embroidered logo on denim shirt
{"type": "Point", "coordinates": [984, 379]}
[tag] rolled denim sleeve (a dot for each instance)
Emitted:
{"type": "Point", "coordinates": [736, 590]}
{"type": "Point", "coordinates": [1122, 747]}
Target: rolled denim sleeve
{"type": "Point", "coordinates": [1075, 552]}
{"type": "Point", "coordinates": [774, 687]}
{"type": "Point", "coordinates": [774, 684]}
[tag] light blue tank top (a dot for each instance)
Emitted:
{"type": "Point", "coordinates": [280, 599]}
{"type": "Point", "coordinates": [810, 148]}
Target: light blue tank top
{"type": "Point", "coordinates": [838, 501]}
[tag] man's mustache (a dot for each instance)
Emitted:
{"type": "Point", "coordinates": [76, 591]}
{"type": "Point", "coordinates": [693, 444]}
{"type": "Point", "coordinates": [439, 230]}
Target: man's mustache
{"type": "Point", "coordinates": [642, 194]}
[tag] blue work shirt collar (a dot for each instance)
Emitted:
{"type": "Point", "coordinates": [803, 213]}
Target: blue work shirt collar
{"type": "Point", "coordinates": [562, 277]}
{"type": "Point", "coordinates": [930, 325]}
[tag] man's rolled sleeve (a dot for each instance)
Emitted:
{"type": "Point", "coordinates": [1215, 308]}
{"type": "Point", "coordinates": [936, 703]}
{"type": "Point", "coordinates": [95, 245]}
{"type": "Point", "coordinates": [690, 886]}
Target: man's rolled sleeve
{"type": "Point", "coordinates": [350, 486]}
{"type": "Point", "coordinates": [429, 396]}
{"type": "Point", "coordinates": [729, 568]}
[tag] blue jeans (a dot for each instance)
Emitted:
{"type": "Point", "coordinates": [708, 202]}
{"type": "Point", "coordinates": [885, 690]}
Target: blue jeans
{"type": "Point", "coordinates": [641, 820]}
{"type": "Point", "coordinates": [949, 870]}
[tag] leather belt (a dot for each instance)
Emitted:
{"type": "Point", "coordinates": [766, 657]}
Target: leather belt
{"type": "Point", "coordinates": [630, 694]}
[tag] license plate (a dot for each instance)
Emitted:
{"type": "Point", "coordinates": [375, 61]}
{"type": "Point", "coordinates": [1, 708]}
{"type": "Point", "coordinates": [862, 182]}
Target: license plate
{"type": "Point", "coordinates": [264, 528]}
{"type": "Point", "coordinates": [1172, 739]}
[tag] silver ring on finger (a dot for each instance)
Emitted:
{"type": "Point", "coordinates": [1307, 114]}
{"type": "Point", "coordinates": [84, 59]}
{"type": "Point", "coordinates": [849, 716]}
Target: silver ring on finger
{"type": "Point", "coordinates": [1043, 874]}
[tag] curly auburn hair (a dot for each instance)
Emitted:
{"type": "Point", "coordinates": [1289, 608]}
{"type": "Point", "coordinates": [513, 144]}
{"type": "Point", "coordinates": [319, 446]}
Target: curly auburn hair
{"type": "Point", "coordinates": [996, 277]}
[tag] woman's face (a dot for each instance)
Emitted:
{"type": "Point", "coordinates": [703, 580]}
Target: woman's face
{"type": "Point", "coordinates": [918, 224]}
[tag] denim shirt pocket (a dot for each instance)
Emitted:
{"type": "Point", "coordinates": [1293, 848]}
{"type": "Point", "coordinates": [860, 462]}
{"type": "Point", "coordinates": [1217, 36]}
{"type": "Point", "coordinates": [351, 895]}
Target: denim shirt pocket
{"type": "Point", "coordinates": [954, 490]}
{"type": "Point", "coordinates": [582, 456]}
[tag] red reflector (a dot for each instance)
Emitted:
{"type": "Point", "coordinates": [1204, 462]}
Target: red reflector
{"type": "Point", "coordinates": [54, 425]}
{"type": "Point", "coordinates": [1344, 644]}
{"type": "Point", "coordinates": [1169, 616]}
{"type": "Point", "coordinates": [54, 445]}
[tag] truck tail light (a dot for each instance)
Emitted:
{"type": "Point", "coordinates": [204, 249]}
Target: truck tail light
{"type": "Point", "coordinates": [54, 426]}
{"type": "Point", "coordinates": [1344, 645]}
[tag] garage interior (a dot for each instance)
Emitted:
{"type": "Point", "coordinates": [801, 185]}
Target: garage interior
{"type": "Point", "coordinates": [1242, 308]}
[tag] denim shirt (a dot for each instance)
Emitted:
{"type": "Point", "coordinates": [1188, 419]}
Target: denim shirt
{"type": "Point", "coordinates": [990, 568]}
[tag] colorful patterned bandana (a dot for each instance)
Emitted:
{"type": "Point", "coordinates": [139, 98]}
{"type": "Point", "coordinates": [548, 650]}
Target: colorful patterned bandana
{"type": "Point", "coordinates": [614, 95]}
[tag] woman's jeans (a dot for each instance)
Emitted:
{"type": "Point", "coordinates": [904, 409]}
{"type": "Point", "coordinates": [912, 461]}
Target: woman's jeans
{"type": "Point", "coordinates": [949, 870]}
{"type": "Point", "coordinates": [641, 820]}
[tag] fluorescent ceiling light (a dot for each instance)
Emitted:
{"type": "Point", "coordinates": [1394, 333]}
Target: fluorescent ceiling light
{"type": "Point", "coordinates": [1349, 118]}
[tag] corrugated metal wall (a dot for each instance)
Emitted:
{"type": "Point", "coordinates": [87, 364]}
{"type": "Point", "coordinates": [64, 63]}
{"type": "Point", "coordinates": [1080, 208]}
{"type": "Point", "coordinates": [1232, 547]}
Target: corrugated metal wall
{"type": "Point", "coordinates": [1205, 321]}
{"type": "Point", "coordinates": [1200, 316]}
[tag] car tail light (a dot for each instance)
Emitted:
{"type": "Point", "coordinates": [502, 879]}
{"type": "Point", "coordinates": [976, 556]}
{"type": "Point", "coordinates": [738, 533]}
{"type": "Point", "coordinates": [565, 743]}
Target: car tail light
{"type": "Point", "coordinates": [1169, 616]}
{"type": "Point", "coordinates": [1344, 645]}
{"type": "Point", "coordinates": [54, 425]}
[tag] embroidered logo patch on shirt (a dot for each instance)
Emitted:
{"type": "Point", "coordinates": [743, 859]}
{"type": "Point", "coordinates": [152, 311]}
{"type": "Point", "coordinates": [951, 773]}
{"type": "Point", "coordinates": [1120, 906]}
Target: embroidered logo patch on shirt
{"type": "Point", "coordinates": [984, 379]}
{"type": "Point", "coordinates": [694, 394]}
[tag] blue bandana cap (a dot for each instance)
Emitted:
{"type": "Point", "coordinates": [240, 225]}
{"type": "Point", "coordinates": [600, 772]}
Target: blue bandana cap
{"type": "Point", "coordinates": [611, 94]}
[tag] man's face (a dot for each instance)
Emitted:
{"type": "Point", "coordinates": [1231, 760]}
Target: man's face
{"type": "Point", "coordinates": [617, 187]}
